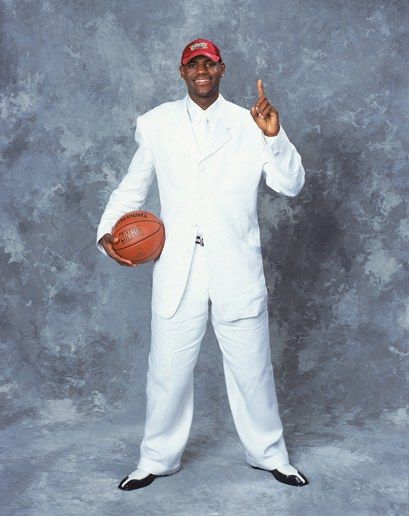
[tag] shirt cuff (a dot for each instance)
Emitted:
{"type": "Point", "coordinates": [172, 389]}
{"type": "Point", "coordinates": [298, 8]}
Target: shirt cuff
{"type": "Point", "coordinates": [103, 228]}
{"type": "Point", "coordinates": [275, 143]}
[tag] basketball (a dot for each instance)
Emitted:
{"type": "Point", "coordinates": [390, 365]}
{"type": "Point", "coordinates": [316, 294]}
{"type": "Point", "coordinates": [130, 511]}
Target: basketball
{"type": "Point", "coordinates": [141, 236]}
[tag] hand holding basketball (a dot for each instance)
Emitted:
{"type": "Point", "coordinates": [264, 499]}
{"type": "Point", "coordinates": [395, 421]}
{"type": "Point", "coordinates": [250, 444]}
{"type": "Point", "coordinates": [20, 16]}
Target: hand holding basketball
{"type": "Point", "coordinates": [137, 237]}
{"type": "Point", "coordinates": [107, 243]}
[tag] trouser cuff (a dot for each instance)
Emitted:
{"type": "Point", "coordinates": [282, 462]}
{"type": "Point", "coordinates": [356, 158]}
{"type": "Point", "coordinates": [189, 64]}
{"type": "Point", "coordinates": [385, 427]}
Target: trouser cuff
{"type": "Point", "coordinates": [271, 463]}
{"type": "Point", "coordinates": [156, 468]}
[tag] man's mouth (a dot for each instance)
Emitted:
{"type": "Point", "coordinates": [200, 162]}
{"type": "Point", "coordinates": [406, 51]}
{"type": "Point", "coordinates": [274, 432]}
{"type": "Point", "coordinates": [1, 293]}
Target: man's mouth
{"type": "Point", "coordinates": [202, 81]}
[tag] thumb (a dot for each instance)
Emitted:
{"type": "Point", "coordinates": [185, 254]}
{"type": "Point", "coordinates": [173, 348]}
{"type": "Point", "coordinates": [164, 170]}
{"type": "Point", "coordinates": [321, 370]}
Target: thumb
{"type": "Point", "coordinates": [111, 239]}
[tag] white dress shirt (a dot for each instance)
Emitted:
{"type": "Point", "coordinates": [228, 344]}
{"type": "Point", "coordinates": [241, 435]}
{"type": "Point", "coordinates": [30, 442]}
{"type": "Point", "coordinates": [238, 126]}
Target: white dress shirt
{"type": "Point", "coordinates": [203, 122]}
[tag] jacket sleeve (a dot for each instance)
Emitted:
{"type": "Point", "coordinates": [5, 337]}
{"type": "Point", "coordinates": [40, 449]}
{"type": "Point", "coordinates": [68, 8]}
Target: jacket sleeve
{"type": "Point", "coordinates": [133, 189]}
{"type": "Point", "coordinates": [282, 168]}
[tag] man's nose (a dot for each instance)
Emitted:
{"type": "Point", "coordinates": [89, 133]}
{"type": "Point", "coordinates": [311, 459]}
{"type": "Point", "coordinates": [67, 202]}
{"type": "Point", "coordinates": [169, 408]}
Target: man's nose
{"type": "Point", "coordinates": [201, 67]}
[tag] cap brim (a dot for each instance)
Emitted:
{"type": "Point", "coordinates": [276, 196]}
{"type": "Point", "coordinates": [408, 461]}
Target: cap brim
{"type": "Point", "coordinates": [200, 53]}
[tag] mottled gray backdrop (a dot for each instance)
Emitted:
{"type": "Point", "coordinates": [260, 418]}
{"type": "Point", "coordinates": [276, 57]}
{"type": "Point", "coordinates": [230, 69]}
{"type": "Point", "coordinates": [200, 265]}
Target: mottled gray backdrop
{"type": "Point", "coordinates": [75, 326]}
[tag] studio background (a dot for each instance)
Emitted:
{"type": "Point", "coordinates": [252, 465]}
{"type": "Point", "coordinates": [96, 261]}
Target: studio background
{"type": "Point", "coordinates": [75, 326]}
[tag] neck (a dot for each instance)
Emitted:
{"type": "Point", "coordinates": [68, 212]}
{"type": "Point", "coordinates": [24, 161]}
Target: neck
{"type": "Point", "coordinates": [204, 102]}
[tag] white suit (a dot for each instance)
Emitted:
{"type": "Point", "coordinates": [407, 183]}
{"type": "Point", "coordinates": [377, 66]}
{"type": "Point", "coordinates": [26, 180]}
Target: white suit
{"type": "Point", "coordinates": [218, 188]}
{"type": "Point", "coordinates": [216, 192]}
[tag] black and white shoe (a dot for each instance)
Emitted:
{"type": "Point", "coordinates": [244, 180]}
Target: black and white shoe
{"type": "Point", "coordinates": [140, 478]}
{"type": "Point", "coordinates": [287, 474]}
{"type": "Point", "coordinates": [136, 480]}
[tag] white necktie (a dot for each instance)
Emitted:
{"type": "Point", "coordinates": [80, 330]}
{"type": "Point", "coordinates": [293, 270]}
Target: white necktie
{"type": "Point", "coordinates": [203, 132]}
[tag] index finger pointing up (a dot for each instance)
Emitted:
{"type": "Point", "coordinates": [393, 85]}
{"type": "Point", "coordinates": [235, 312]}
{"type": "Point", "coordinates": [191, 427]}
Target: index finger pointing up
{"type": "Point", "coordinates": [260, 88]}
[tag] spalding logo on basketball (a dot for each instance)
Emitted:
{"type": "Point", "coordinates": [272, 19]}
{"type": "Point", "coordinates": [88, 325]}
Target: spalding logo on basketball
{"type": "Point", "coordinates": [141, 236]}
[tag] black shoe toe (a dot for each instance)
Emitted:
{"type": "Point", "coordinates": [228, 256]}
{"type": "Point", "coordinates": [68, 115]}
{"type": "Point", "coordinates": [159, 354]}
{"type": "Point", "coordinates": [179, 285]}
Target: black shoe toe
{"type": "Point", "coordinates": [136, 483]}
{"type": "Point", "coordinates": [291, 480]}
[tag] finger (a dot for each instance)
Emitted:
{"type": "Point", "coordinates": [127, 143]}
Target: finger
{"type": "Point", "coordinates": [260, 87]}
{"type": "Point", "coordinates": [122, 261]}
{"type": "Point", "coordinates": [107, 242]}
{"type": "Point", "coordinates": [266, 110]}
{"type": "Point", "coordinates": [116, 256]}
{"type": "Point", "coordinates": [269, 109]}
{"type": "Point", "coordinates": [260, 100]}
{"type": "Point", "coordinates": [263, 110]}
{"type": "Point", "coordinates": [126, 264]}
{"type": "Point", "coordinates": [254, 113]}
{"type": "Point", "coordinates": [263, 104]}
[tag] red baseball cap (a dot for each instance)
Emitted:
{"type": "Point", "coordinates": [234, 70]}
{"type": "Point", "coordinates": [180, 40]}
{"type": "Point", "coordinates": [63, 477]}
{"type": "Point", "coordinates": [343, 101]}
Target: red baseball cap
{"type": "Point", "coordinates": [200, 47]}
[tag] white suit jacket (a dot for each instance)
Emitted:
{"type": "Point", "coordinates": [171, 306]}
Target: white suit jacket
{"type": "Point", "coordinates": [219, 189]}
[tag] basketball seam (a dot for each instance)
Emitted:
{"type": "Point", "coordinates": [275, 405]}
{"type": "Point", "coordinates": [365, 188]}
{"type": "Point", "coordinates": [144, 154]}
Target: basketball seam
{"type": "Point", "coordinates": [132, 222]}
{"type": "Point", "coordinates": [163, 239]}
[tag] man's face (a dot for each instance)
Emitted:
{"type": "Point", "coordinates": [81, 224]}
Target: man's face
{"type": "Point", "coordinates": [202, 75]}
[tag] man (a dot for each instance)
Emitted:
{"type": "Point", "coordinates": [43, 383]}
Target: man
{"type": "Point", "coordinates": [208, 155]}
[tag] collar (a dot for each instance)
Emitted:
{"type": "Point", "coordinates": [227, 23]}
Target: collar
{"type": "Point", "coordinates": [197, 114]}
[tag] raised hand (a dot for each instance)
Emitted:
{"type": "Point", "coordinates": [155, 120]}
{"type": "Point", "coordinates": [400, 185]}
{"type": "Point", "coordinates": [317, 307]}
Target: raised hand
{"type": "Point", "coordinates": [265, 114]}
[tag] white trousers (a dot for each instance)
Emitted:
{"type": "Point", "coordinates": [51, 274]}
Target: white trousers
{"type": "Point", "coordinates": [175, 344]}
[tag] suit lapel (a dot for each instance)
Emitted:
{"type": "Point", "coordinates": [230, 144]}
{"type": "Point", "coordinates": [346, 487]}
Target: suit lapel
{"type": "Point", "coordinates": [220, 137]}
